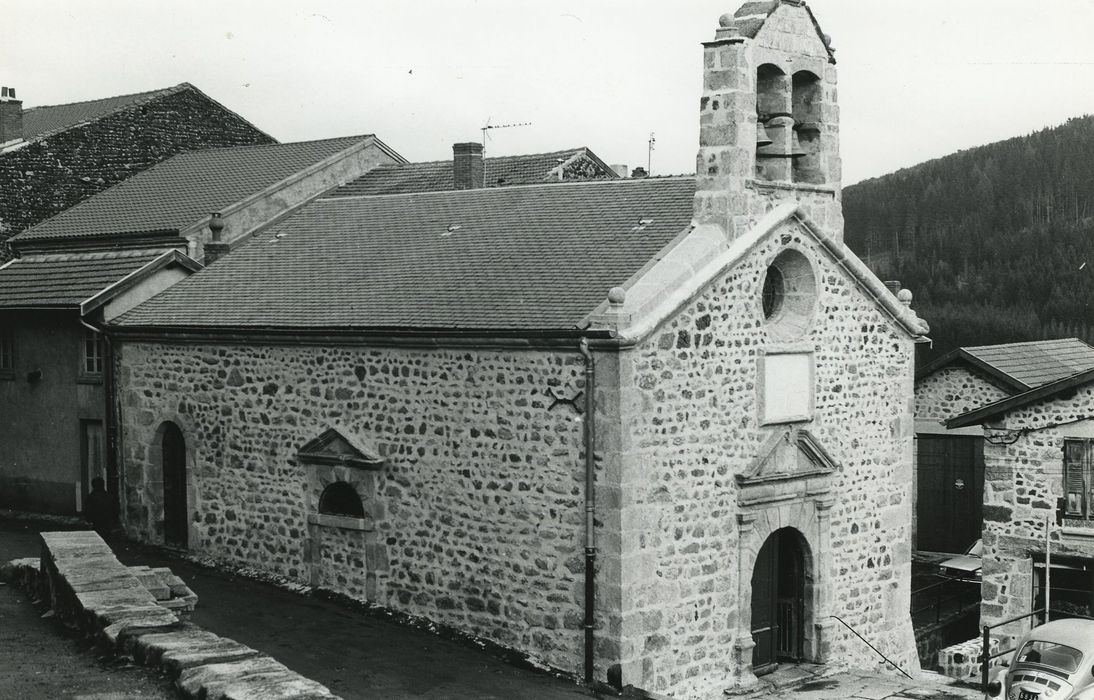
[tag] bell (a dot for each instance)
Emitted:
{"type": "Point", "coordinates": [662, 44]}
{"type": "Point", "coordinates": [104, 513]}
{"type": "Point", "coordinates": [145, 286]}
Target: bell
{"type": "Point", "coordinates": [762, 139]}
{"type": "Point", "coordinates": [796, 150]}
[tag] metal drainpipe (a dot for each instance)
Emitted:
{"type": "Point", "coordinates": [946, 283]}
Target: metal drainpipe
{"type": "Point", "coordinates": [590, 505]}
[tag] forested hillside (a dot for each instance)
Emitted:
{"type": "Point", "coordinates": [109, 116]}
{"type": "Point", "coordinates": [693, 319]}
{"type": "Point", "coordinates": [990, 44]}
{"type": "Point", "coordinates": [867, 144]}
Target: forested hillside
{"type": "Point", "coordinates": [996, 243]}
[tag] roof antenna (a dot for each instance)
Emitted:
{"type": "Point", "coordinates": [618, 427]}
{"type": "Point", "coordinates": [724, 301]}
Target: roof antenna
{"type": "Point", "coordinates": [488, 126]}
{"type": "Point", "coordinates": [649, 154]}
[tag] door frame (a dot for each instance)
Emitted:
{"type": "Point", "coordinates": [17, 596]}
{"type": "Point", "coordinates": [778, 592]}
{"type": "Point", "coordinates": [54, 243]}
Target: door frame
{"type": "Point", "coordinates": [174, 471]}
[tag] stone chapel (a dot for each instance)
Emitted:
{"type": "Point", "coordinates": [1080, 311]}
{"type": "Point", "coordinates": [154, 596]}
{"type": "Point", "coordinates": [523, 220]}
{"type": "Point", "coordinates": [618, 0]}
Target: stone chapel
{"type": "Point", "coordinates": [657, 432]}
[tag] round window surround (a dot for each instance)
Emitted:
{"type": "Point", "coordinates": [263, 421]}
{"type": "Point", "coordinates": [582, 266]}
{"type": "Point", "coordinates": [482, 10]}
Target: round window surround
{"type": "Point", "coordinates": [789, 295]}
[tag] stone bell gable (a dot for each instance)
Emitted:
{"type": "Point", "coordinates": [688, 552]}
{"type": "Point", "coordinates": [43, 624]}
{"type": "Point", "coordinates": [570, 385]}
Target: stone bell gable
{"type": "Point", "coordinates": [769, 120]}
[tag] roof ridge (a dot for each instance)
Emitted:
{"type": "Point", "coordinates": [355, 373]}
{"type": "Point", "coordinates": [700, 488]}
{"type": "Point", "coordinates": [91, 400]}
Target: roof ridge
{"type": "Point", "coordinates": [553, 185]}
{"type": "Point", "coordinates": [490, 158]}
{"type": "Point", "coordinates": [144, 93]}
{"type": "Point", "coordinates": [253, 146]}
{"type": "Point", "coordinates": [970, 348]}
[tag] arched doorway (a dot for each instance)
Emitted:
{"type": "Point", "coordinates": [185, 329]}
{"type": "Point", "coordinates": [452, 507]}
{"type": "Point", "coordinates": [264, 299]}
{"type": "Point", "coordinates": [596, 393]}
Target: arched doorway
{"type": "Point", "coordinates": [175, 511]}
{"type": "Point", "coordinates": [778, 601]}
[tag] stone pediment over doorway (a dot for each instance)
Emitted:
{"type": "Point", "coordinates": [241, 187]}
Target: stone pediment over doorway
{"type": "Point", "coordinates": [338, 446]}
{"type": "Point", "coordinates": [792, 465]}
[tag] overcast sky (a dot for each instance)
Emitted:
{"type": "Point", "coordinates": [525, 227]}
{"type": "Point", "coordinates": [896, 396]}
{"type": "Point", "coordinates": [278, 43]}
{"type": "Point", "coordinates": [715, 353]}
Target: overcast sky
{"type": "Point", "coordinates": [917, 78]}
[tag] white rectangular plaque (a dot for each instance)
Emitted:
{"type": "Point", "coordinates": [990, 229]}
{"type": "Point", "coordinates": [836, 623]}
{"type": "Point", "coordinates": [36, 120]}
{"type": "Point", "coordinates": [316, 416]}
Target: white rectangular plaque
{"type": "Point", "coordinates": [786, 387]}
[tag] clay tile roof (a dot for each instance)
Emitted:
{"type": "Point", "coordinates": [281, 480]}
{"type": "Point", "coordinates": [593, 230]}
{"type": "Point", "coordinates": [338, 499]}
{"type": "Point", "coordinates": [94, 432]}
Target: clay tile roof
{"type": "Point", "coordinates": [517, 258]}
{"type": "Point", "coordinates": [64, 281]}
{"type": "Point", "coordinates": [45, 119]}
{"type": "Point", "coordinates": [1038, 362]}
{"type": "Point", "coordinates": [436, 176]}
{"type": "Point", "coordinates": [182, 189]}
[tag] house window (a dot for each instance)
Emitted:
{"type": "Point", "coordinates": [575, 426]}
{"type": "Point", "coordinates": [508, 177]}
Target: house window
{"type": "Point", "coordinates": [92, 354]}
{"type": "Point", "coordinates": [1079, 479]}
{"type": "Point", "coordinates": [7, 353]}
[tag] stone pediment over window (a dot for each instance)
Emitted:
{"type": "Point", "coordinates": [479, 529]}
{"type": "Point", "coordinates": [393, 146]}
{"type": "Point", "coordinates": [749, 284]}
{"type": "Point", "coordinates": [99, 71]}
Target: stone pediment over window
{"type": "Point", "coordinates": [338, 446]}
{"type": "Point", "coordinates": [791, 465]}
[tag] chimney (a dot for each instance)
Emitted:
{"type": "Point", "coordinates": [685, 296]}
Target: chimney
{"type": "Point", "coordinates": [11, 116]}
{"type": "Point", "coordinates": [215, 248]}
{"type": "Point", "coordinates": [620, 170]}
{"type": "Point", "coordinates": [467, 170]}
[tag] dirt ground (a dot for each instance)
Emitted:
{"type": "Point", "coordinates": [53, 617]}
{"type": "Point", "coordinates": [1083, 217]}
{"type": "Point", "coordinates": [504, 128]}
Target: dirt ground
{"type": "Point", "coordinates": [358, 655]}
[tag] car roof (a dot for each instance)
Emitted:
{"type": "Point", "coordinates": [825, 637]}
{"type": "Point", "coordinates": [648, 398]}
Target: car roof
{"type": "Point", "coordinates": [1074, 632]}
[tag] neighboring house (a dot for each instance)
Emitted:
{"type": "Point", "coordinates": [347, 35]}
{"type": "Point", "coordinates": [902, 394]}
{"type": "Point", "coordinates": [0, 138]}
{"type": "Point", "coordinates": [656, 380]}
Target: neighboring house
{"type": "Point", "coordinates": [658, 430]}
{"type": "Point", "coordinates": [950, 462]}
{"type": "Point", "coordinates": [472, 170]}
{"type": "Point", "coordinates": [52, 157]}
{"type": "Point", "coordinates": [1039, 477]}
{"type": "Point", "coordinates": [104, 255]}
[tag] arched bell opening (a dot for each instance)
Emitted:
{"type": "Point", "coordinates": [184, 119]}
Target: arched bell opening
{"type": "Point", "coordinates": [808, 128]}
{"type": "Point", "coordinates": [773, 122]}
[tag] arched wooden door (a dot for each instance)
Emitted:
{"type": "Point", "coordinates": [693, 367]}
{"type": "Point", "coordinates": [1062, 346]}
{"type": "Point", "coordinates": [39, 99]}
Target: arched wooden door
{"type": "Point", "coordinates": [175, 511]}
{"type": "Point", "coordinates": [778, 601]}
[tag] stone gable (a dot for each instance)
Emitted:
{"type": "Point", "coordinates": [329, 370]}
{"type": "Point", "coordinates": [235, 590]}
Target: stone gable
{"type": "Point", "coordinates": [953, 390]}
{"type": "Point", "coordinates": [49, 175]}
{"type": "Point", "coordinates": [691, 424]}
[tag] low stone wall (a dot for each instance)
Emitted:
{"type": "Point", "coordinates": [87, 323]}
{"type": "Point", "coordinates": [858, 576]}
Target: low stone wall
{"type": "Point", "coordinates": [127, 610]}
{"type": "Point", "coordinates": [962, 661]}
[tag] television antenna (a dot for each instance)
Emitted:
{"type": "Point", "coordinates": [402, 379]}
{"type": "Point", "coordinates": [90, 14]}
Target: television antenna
{"type": "Point", "coordinates": [488, 126]}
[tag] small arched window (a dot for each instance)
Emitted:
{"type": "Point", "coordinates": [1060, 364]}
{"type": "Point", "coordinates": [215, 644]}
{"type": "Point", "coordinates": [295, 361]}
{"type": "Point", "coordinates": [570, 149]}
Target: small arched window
{"type": "Point", "coordinates": [341, 499]}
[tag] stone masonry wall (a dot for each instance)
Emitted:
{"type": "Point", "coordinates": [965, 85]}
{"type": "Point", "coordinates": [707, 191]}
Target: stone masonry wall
{"type": "Point", "coordinates": [692, 425]}
{"type": "Point", "coordinates": [953, 390]}
{"type": "Point", "coordinates": [1023, 478]}
{"type": "Point", "coordinates": [479, 523]}
{"type": "Point", "coordinates": [47, 176]}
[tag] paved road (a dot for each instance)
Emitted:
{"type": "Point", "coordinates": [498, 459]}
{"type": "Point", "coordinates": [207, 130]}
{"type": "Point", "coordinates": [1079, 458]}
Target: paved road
{"type": "Point", "coordinates": [357, 655]}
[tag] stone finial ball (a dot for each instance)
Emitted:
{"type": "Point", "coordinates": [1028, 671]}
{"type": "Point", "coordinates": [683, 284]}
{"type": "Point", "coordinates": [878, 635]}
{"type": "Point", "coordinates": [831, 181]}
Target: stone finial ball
{"type": "Point", "coordinates": [616, 296]}
{"type": "Point", "coordinates": [726, 20]}
{"type": "Point", "coordinates": [904, 296]}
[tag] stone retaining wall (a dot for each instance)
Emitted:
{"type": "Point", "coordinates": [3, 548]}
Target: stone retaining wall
{"type": "Point", "coordinates": [90, 590]}
{"type": "Point", "coordinates": [961, 661]}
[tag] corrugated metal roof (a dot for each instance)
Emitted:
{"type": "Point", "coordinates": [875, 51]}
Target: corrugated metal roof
{"type": "Point", "coordinates": [533, 257]}
{"type": "Point", "coordinates": [53, 281]}
{"type": "Point", "coordinates": [182, 189]}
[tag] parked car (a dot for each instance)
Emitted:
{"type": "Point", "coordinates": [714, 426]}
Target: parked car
{"type": "Point", "coordinates": [1052, 662]}
{"type": "Point", "coordinates": [965, 567]}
